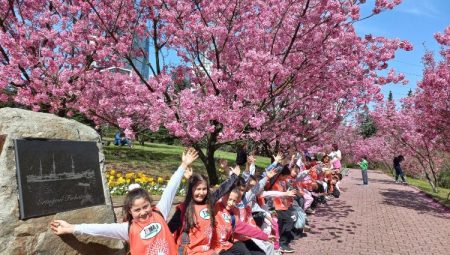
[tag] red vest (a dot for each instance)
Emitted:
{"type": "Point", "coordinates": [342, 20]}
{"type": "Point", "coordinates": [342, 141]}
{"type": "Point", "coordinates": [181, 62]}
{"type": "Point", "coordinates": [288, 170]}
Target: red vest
{"type": "Point", "coordinates": [224, 231]}
{"type": "Point", "coordinates": [200, 236]}
{"type": "Point", "coordinates": [152, 237]}
{"type": "Point", "coordinates": [281, 203]}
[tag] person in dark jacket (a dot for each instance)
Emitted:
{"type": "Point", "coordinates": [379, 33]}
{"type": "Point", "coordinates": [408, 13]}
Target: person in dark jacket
{"type": "Point", "coordinates": [398, 169]}
{"type": "Point", "coordinates": [241, 156]}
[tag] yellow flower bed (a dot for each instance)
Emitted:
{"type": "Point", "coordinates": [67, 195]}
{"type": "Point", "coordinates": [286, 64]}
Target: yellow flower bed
{"type": "Point", "coordinates": [118, 182]}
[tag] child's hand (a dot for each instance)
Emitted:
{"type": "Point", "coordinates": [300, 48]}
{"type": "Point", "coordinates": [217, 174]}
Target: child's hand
{"type": "Point", "coordinates": [272, 238]}
{"type": "Point", "coordinates": [236, 170]}
{"type": "Point", "coordinates": [278, 157]}
{"type": "Point", "coordinates": [291, 193]}
{"type": "Point", "coordinates": [61, 227]}
{"type": "Point", "coordinates": [223, 163]}
{"type": "Point", "coordinates": [188, 172]}
{"type": "Point", "coordinates": [251, 159]}
{"type": "Point", "coordinates": [189, 156]}
{"type": "Point", "coordinates": [272, 173]}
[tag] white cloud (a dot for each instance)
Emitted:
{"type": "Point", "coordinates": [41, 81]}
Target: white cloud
{"type": "Point", "coordinates": [419, 8]}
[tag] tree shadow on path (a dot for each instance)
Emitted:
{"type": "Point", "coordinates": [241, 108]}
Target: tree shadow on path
{"type": "Point", "coordinates": [415, 201]}
{"type": "Point", "coordinates": [326, 222]}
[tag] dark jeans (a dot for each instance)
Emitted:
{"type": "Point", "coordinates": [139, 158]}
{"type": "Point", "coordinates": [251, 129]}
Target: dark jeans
{"type": "Point", "coordinates": [253, 248]}
{"type": "Point", "coordinates": [365, 177]}
{"type": "Point", "coordinates": [238, 248]}
{"type": "Point", "coordinates": [402, 175]}
{"type": "Point", "coordinates": [399, 172]}
{"type": "Point", "coordinates": [285, 226]}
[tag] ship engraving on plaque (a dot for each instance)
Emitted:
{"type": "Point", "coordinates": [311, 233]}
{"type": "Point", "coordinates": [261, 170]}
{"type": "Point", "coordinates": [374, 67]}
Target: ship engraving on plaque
{"type": "Point", "coordinates": [57, 175]}
{"type": "Point", "coordinates": [53, 176]}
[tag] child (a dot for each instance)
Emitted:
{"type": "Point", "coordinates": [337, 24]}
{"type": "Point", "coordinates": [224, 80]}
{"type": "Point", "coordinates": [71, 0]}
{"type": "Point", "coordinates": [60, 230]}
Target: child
{"type": "Point", "coordinates": [364, 166]}
{"type": "Point", "coordinates": [227, 218]}
{"type": "Point", "coordinates": [192, 222]}
{"type": "Point", "coordinates": [285, 212]}
{"type": "Point", "coordinates": [146, 230]}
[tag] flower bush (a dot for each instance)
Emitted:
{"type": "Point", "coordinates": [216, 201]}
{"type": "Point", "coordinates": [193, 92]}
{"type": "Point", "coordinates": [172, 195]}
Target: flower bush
{"type": "Point", "coordinates": [118, 183]}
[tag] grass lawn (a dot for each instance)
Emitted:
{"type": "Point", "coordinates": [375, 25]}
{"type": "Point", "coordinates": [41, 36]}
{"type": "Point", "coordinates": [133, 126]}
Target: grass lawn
{"type": "Point", "coordinates": [425, 187]}
{"type": "Point", "coordinates": [159, 159]}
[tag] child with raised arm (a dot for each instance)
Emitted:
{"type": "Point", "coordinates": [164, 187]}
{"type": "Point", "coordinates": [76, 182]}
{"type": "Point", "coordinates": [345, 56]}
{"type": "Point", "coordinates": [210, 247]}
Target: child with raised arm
{"type": "Point", "coordinates": [146, 229]}
{"type": "Point", "coordinates": [193, 222]}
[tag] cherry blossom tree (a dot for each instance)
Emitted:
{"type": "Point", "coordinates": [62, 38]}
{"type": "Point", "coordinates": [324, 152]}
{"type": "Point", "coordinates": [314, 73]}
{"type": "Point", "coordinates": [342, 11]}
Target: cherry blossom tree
{"type": "Point", "coordinates": [432, 98]}
{"type": "Point", "coordinates": [402, 133]}
{"type": "Point", "coordinates": [281, 72]}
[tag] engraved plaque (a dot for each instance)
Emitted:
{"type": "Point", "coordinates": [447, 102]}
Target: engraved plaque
{"type": "Point", "coordinates": [57, 175]}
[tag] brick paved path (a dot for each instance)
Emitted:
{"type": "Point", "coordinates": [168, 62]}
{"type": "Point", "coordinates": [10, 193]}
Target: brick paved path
{"type": "Point", "coordinates": [381, 218]}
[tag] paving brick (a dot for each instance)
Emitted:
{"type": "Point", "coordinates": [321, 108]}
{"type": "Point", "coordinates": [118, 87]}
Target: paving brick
{"type": "Point", "coordinates": [381, 218]}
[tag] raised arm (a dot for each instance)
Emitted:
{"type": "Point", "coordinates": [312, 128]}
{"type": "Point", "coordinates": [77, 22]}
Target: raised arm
{"type": "Point", "coordinates": [249, 168]}
{"type": "Point", "coordinates": [165, 203]}
{"type": "Point", "coordinates": [275, 193]}
{"type": "Point", "coordinates": [226, 185]}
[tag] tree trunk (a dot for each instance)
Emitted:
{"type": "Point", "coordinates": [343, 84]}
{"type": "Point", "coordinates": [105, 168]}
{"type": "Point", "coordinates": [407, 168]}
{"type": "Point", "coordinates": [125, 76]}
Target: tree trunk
{"type": "Point", "coordinates": [209, 162]}
{"type": "Point", "coordinates": [431, 182]}
{"type": "Point", "coordinates": [208, 158]}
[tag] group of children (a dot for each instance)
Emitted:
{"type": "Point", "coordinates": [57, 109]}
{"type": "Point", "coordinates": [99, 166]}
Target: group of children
{"type": "Point", "coordinates": [247, 214]}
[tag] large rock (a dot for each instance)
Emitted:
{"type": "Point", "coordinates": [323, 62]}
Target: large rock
{"type": "Point", "coordinates": [33, 236]}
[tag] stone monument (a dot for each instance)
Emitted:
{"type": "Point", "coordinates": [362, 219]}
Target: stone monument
{"type": "Point", "coordinates": [33, 236]}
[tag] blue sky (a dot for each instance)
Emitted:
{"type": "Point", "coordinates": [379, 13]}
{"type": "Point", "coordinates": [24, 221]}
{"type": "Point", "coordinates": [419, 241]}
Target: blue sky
{"type": "Point", "coordinates": [414, 20]}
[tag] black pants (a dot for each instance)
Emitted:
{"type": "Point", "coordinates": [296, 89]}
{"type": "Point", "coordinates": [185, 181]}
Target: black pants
{"type": "Point", "coordinates": [253, 248]}
{"type": "Point", "coordinates": [285, 226]}
{"type": "Point", "coordinates": [238, 248]}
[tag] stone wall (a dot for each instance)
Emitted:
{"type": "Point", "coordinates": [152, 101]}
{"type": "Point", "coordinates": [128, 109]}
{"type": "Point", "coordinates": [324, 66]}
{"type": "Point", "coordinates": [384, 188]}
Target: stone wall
{"type": "Point", "coordinates": [33, 236]}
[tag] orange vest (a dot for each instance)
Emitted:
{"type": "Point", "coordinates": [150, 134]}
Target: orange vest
{"type": "Point", "coordinates": [224, 231]}
{"type": "Point", "coordinates": [281, 203]}
{"type": "Point", "coordinates": [151, 237]}
{"type": "Point", "coordinates": [313, 174]}
{"type": "Point", "coordinates": [200, 235]}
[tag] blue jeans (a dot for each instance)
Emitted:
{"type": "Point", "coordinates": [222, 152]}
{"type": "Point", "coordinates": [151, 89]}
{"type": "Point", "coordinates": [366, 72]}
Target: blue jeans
{"type": "Point", "coordinates": [365, 177]}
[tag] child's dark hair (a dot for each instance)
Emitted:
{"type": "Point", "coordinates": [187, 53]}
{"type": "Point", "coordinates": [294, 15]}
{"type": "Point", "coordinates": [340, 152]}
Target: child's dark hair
{"type": "Point", "coordinates": [281, 170]}
{"type": "Point", "coordinates": [250, 178]}
{"type": "Point", "coordinates": [189, 202]}
{"type": "Point", "coordinates": [339, 175]}
{"type": "Point", "coordinates": [240, 182]}
{"type": "Point", "coordinates": [129, 200]}
{"type": "Point", "coordinates": [236, 190]}
{"type": "Point", "coordinates": [286, 170]}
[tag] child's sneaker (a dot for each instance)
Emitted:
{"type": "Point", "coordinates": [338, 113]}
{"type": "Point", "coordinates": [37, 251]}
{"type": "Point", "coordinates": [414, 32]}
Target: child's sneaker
{"type": "Point", "coordinates": [286, 249]}
{"type": "Point", "coordinates": [277, 252]}
{"type": "Point", "coordinates": [310, 211]}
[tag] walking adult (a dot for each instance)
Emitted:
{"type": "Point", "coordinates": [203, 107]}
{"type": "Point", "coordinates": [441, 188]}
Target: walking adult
{"type": "Point", "coordinates": [241, 155]}
{"type": "Point", "coordinates": [398, 169]}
